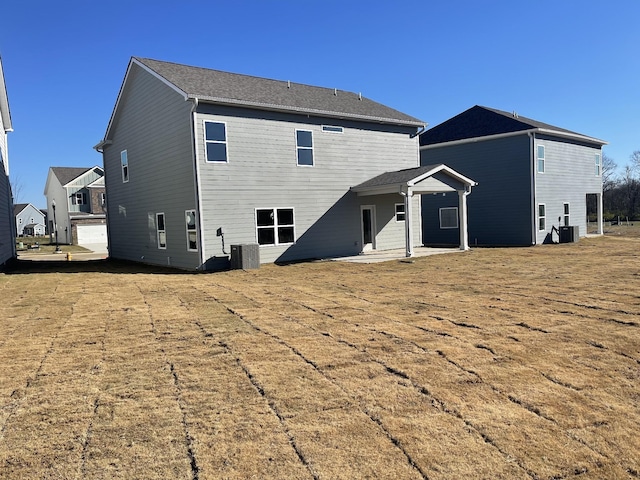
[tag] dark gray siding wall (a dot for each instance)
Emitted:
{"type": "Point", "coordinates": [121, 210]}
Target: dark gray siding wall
{"type": "Point", "coordinates": [499, 207]}
{"type": "Point", "coordinates": [568, 177]}
{"type": "Point", "coordinates": [262, 172]}
{"type": "Point", "coordinates": [153, 125]}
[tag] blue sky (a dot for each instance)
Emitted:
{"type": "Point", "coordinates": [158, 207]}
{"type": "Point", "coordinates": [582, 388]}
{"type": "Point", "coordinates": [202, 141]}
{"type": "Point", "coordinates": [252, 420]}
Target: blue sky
{"type": "Point", "coordinates": [573, 64]}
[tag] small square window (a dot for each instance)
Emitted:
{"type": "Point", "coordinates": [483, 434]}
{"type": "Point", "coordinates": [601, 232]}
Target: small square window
{"type": "Point", "coordinates": [275, 226]}
{"type": "Point", "coordinates": [400, 214]}
{"type": "Point", "coordinates": [449, 217]}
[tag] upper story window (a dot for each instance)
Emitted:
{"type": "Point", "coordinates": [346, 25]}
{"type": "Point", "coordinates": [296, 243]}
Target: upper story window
{"type": "Point", "coordinates": [542, 217]}
{"type": "Point", "coordinates": [79, 198]}
{"type": "Point", "coordinates": [540, 158]}
{"type": "Point", "coordinates": [160, 231]}
{"type": "Point", "coordinates": [215, 134]}
{"type": "Point", "coordinates": [125, 166]}
{"type": "Point", "coordinates": [400, 213]}
{"type": "Point", "coordinates": [304, 147]}
{"type": "Point", "coordinates": [275, 226]}
{"type": "Point", "coordinates": [332, 129]}
{"type": "Point", "coordinates": [103, 198]}
{"type": "Point", "coordinates": [449, 217]}
{"type": "Point", "coordinates": [598, 170]}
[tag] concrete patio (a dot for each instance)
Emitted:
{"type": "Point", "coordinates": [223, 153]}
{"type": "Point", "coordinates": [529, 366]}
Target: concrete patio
{"type": "Point", "coordinates": [375, 256]}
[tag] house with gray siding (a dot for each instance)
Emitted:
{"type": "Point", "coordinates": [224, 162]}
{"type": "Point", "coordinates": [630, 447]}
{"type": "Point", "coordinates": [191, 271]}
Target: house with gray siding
{"type": "Point", "coordinates": [7, 222]}
{"type": "Point", "coordinates": [76, 202]}
{"type": "Point", "coordinates": [197, 160]}
{"type": "Point", "coordinates": [29, 220]}
{"type": "Point", "coordinates": [533, 178]}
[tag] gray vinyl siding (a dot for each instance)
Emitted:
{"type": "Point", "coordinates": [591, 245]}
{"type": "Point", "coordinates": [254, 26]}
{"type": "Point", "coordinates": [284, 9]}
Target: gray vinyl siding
{"type": "Point", "coordinates": [499, 207]}
{"type": "Point", "coordinates": [262, 172]}
{"type": "Point", "coordinates": [7, 224]}
{"type": "Point", "coordinates": [153, 125]}
{"type": "Point", "coordinates": [568, 177]}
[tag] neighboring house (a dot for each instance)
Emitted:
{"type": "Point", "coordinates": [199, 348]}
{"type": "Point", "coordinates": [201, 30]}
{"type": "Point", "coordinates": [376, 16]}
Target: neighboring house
{"type": "Point", "coordinates": [7, 226]}
{"type": "Point", "coordinates": [197, 160]}
{"type": "Point", "coordinates": [76, 205]}
{"type": "Point", "coordinates": [533, 178]}
{"type": "Point", "coordinates": [29, 220]}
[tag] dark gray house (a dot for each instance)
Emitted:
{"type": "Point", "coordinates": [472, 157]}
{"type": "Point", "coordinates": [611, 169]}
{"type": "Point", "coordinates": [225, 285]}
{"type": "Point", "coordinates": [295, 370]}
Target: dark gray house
{"type": "Point", "coordinates": [533, 178]}
{"type": "Point", "coordinates": [7, 220]}
{"type": "Point", "coordinates": [197, 160]}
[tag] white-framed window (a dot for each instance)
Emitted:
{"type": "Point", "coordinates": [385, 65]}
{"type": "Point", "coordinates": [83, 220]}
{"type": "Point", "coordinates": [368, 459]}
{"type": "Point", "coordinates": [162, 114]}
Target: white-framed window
{"type": "Point", "coordinates": [275, 226]}
{"type": "Point", "coordinates": [448, 217]}
{"type": "Point", "coordinates": [161, 231]}
{"type": "Point", "coordinates": [215, 135]}
{"type": "Point", "coordinates": [400, 213]}
{"type": "Point", "coordinates": [192, 230]}
{"type": "Point", "coordinates": [124, 161]}
{"type": "Point", "coordinates": [542, 217]}
{"type": "Point", "coordinates": [332, 129]}
{"type": "Point", "coordinates": [598, 170]}
{"type": "Point", "coordinates": [103, 198]}
{"type": "Point", "coordinates": [79, 198]}
{"type": "Point", "coordinates": [540, 158]}
{"type": "Point", "coordinates": [565, 215]}
{"type": "Point", "coordinates": [304, 147]}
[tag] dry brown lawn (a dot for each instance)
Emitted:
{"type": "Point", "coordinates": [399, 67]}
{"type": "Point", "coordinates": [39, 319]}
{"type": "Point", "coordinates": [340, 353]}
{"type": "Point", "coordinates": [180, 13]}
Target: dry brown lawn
{"type": "Point", "coordinates": [493, 363]}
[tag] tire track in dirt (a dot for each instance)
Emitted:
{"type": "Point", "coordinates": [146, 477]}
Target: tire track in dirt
{"type": "Point", "coordinates": [389, 368]}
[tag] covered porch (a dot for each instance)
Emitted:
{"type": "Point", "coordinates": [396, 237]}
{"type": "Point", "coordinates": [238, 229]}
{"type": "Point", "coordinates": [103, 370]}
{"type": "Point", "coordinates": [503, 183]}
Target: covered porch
{"type": "Point", "coordinates": [428, 179]}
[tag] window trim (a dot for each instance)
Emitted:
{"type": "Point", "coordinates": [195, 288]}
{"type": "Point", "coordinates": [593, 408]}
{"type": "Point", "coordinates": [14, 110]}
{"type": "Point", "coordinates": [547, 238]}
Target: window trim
{"type": "Point", "coordinates": [124, 165]}
{"type": "Point", "coordinates": [103, 198]}
{"type": "Point", "coordinates": [164, 230]}
{"type": "Point", "coordinates": [402, 213]}
{"type": "Point", "coordinates": [332, 129]}
{"type": "Point", "coordinates": [539, 158]}
{"type": "Point", "coordinates": [542, 217]}
{"type": "Point", "coordinates": [194, 229]}
{"type": "Point", "coordinates": [206, 141]}
{"type": "Point", "coordinates": [566, 214]}
{"type": "Point", "coordinates": [298, 148]}
{"type": "Point", "coordinates": [275, 226]}
{"type": "Point", "coordinates": [598, 159]}
{"type": "Point", "coordinates": [79, 198]}
{"type": "Point", "coordinates": [457, 218]}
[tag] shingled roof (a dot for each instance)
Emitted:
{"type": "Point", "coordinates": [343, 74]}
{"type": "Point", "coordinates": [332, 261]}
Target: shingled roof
{"type": "Point", "coordinates": [215, 86]}
{"type": "Point", "coordinates": [66, 174]}
{"type": "Point", "coordinates": [479, 121]}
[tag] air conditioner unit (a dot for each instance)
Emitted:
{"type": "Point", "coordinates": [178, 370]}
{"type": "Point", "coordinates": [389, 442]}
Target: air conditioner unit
{"type": "Point", "coordinates": [569, 234]}
{"type": "Point", "coordinates": [245, 257]}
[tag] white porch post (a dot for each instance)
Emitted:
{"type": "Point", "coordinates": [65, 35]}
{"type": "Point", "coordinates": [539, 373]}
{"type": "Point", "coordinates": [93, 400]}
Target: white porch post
{"type": "Point", "coordinates": [464, 236]}
{"type": "Point", "coordinates": [407, 222]}
{"type": "Point", "coordinates": [600, 211]}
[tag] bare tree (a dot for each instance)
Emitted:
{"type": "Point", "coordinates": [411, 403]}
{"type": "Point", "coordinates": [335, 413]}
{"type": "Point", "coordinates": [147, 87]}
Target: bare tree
{"type": "Point", "coordinates": [609, 174]}
{"type": "Point", "coordinates": [634, 158]}
{"type": "Point", "coordinates": [17, 188]}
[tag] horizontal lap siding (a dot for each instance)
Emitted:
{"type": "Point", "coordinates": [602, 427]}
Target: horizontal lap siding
{"type": "Point", "coordinates": [153, 125]}
{"type": "Point", "coordinates": [262, 172]}
{"type": "Point", "coordinates": [568, 177]}
{"type": "Point", "coordinates": [499, 207]}
{"type": "Point", "coordinates": [7, 228]}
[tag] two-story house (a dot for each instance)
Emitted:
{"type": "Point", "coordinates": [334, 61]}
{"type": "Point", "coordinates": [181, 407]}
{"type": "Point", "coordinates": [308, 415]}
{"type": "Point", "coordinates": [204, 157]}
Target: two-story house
{"type": "Point", "coordinates": [7, 225]}
{"type": "Point", "coordinates": [29, 220]}
{"type": "Point", "coordinates": [534, 178]}
{"type": "Point", "coordinates": [197, 160]}
{"type": "Point", "coordinates": [76, 205]}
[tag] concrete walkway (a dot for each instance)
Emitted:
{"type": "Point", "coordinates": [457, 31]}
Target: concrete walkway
{"type": "Point", "coordinates": [375, 256]}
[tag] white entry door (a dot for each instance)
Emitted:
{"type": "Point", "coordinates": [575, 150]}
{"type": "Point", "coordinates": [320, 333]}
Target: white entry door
{"type": "Point", "coordinates": [368, 223]}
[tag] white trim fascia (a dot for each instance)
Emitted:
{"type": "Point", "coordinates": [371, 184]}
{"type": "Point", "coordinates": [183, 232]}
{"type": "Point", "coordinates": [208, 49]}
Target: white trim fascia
{"type": "Point", "coordinates": [478, 139]}
{"type": "Point", "coordinates": [309, 111]}
{"type": "Point", "coordinates": [450, 171]}
{"type": "Point", "coordinates": [90, 169]}
{"type": "Point", "coordinates": [4, 103]}
{"type": "Point", "coordinates": [93, 184]}
{"type": "Point", "coordinates": [379, 189]}
{"type": "Point", "coordinates": [575, 136]}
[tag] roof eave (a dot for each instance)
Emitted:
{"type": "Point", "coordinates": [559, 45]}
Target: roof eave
{"type": "Point", "coordinates": [575, 136]}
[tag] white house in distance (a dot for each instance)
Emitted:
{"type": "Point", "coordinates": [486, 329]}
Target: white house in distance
{"type": "Point", "coordinates": [197, 160]}
{"type": "Point", "coordinates": [7, 226]}
{"type": "Point", "coordinates": [76, 205]}
{"type": "Point", "coordinates": [29, 220]}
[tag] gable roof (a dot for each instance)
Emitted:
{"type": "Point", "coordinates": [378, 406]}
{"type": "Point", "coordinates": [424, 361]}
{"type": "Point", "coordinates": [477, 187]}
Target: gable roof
{"type": "Point", "coordinates": [67, 174]}
{"type": "Point", "coordinates": [478, 122]}
{"type": "Point", "coordinates": [18, 207]}
{"type": "Point", "coordinates": [215, 86]}
{"type": "Point", "coordinates": [4, 103]}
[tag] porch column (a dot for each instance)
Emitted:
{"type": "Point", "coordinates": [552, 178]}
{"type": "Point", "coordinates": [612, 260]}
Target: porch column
{"type": "Point", "coordinates": [407, 223]}
{"type": "Point", "coordinates": [600, 211]}
{"type": "Point", "coordinates": [464, 236]}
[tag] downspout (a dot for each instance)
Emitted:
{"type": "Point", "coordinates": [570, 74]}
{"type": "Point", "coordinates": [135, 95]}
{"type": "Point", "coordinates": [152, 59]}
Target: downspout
{"type": "Point", "coordinates": [534, 211]}
{"type": "Point", "coordinates": [196, 183]}
{"type": "Point", "coordinates": [407, 221]}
